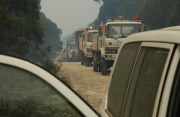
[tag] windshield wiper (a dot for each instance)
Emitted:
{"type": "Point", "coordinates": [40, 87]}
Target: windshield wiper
{"type": "Point", "coordinates": [120, 36]}
{"type": "Point", "coordinates": [123, 36]}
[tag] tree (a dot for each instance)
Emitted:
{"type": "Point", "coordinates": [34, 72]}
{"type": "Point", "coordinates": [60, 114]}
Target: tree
{"type": "Point", "coordinates": [52, 35]}
{"type": "Point", "coordinates": [160, 13]}
{"type": "Point", "coordinates": [19, 26]}
{"type": "Point", "coordinates": [173, 16]}
{"type": "Point", "coordinates": [51, 42]}
{"type": "Point", "coordinates": [155, 13]}
{"type": "Point", "coordinates": [116, 8]}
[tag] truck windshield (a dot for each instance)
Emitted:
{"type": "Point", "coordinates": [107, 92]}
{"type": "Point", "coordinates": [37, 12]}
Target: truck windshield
{"type": "Point", "coordinates": [123, 30]}
{"type": "Point", "coordinates": [90, 36]}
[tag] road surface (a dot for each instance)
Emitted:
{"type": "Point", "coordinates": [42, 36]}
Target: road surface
{"type": "Point", "coordinates": [88, 84]}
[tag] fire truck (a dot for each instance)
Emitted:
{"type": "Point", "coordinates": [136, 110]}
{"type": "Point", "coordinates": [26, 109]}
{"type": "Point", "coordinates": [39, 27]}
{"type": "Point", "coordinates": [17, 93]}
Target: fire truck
{"type": "Point", "coordinates": [87, 43]}
{"type": "Point", "coordinates": [71, 52]}
{"type": "Point", "coordinates": [108, 41]}
{"type": "Point", "coordinates": [79, 46]}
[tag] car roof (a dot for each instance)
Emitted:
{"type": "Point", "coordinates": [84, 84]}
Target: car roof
{"type": "Point", "coordinates": [166, 35]}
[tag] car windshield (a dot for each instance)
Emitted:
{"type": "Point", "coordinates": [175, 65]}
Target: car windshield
{"type": "Point", "coordinates": [123, 30]}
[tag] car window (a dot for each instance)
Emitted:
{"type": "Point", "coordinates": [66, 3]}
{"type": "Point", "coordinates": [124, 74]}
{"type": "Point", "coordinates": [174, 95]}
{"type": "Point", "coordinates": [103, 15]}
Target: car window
{"type": "Point", "coordinates": [145, 82]}
{"type": "Point", "coordinates": [120, 78]}
{"type": "Point", "coordinates": [24, 94]}
{"type": "Point", "coordinates": [174, 103]}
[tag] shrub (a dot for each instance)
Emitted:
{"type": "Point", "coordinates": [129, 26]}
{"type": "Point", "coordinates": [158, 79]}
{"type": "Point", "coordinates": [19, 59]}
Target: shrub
{"type": "Point", "coordinates": [50, 66]}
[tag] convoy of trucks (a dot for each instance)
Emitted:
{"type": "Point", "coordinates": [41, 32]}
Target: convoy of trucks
{"type": "Point", "coordinates": [98, 48]}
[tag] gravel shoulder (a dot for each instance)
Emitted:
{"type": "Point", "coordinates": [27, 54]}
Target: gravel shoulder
{"type": "Point", "coordinates": [88, 84]}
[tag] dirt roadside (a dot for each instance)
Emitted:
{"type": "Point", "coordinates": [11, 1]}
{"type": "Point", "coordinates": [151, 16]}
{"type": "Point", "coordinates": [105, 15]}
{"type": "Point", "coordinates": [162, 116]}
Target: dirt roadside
{"type": "Point", "coordinates": [88, 84]}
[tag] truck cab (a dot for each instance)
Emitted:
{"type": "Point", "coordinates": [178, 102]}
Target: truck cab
{"type": "Point", "coordinates": [72, 53]}
{"type": "Point", "coordinates": [113, 34]}
{"type": "Point", "coordinates": [116, 32]}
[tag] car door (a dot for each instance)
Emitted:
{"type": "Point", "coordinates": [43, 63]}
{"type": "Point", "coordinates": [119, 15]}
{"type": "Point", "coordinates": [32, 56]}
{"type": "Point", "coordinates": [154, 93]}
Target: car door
{"type": "Point", "coordinates": [173, 107]}
{"type": "Point", "coordinates": [137, 80]}
{"type": "Point", "coordinates": [147, 80]}
{"type": "Point", "coordinates": [27, 90]}
{"type": "Point", "coordinates": [120, 76]}
{"type": "Point", "coordinates": [170, 99]}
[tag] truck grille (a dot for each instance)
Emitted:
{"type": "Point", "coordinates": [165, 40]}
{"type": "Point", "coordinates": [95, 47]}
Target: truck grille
{"type": "Point", "coordinates": [111, 51]}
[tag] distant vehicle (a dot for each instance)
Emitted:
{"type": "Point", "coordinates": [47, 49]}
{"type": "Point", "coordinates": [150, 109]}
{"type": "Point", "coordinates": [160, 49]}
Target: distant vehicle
{"type": "Point", "coordinates": [72, 52]}
{"type": "Point", "coordinates": [87, 49]}
{"type": "Point", "coordinates": [109, 39]}
{"type": "Point", "coordinates": [145, 79]}
{"type": "Point", "coordinates": [63, 57]}
{"type": "Point", "coordinates": [28, 90]}
{"type": "Point", "coordinates": [79, 43]}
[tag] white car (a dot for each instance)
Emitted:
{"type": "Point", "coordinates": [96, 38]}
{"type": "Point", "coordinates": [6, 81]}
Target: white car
{"type": "Point", "coordinates": [27, 90]}
{"type": "Point", "coordinates": [145, 79]}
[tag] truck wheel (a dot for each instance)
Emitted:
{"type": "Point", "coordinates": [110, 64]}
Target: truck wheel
{"type": "Point", "coordinates": [82, 59]}
{"type": "Point", "coordinates": [70, 59]}
{"type": "Point", "coordinates": [73, 56]}
{"type": "Point", "coordinates": [67, 59]}
{"type": "Point", "coordinates": [104, 67]}
{"type": "Point", "coordinates": [82, 62]}
{"type": "Point", "coordinates": [87, 62]}
{"type": "Point", "coordinates": [99, 66]}
{"type": "Point", "coordinates": [90, 62]}
{"type": "Point", "coordinates": [95, 67]}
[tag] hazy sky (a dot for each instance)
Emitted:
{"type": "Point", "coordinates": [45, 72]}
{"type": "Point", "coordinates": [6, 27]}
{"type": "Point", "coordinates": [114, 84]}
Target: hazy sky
{"type": "Point", "coordinates": [70, 15]}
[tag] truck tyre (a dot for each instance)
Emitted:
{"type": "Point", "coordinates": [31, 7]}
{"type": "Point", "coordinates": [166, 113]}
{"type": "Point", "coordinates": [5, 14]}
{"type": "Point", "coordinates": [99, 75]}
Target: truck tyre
{"type": "Point", "coordinates": [73, 56]}
{"type": "Point", "coordinates": [90, 62]}
{"type": "Point", "coordinates": [67, 59]}
{"type": "Point", "coordinates": [70, 59]}
{"type": "Point", "coordinates": [82, 62]}
{"type": "Point", "coordinates": [82, 59]}
{"type": "Point", "coordinates": [87, 62]}
{"type": "Point", "coordinates": [99, 66]}
{"type": "Point", "coordinates": [104, 67]}
{"type": "Point", "coordinates": [95, 67]}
